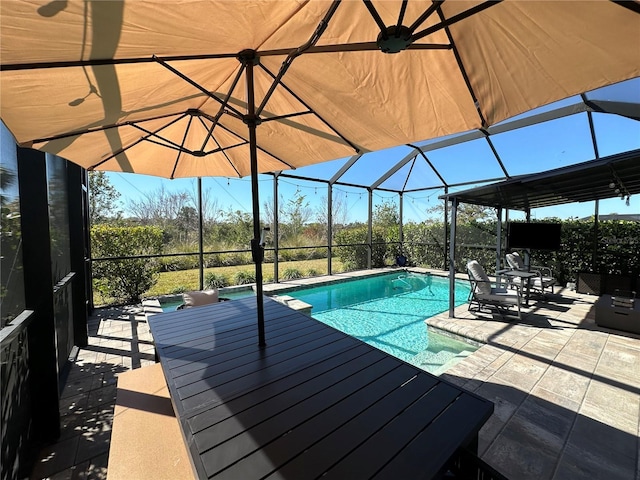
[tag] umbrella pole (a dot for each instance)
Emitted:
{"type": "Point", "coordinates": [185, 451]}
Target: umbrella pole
{"type": "Point", "coordinates": [257, 251]}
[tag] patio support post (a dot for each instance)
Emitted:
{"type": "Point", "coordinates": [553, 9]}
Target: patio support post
{"type": "Point", "coordinates": [400, 232]}
{"type": "Point", "coordinates": [248, 57]}
{"type": "Point", "coordinates": [77, 228]}
{"type": "Point", "coordinates": [370, 228]}
{"type": "Point", "coordinates": [38, 285]}
{"type": "Point", "coordinates": [499, 240]}
{"type": "Point", "coordinates": [329, 226]}
{"type": "Point", "coordinates": [596, 226]}
{"type": "Point", "coordinates": [276, 228]}
{"type": "Point", "coordinates": [452, 254]}
{"type": "Point", "coordinates": [446, 230]}
{"type": "Point", "coordinates": [527, 260]}
{"type": "Point", "coordinates": [200, 234]}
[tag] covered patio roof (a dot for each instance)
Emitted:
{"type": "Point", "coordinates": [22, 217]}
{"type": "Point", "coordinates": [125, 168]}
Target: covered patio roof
{"type": "Point", "coordinates": [613, 176]}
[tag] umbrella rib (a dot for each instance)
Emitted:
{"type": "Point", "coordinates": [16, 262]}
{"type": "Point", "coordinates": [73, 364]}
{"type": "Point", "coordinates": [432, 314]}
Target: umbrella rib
{"type": "Point", "coordinates": [455, 19]}
{"type": "Point", "coordinates": [97, 62]}
{"type": "Point", "coordinates": [283, 117]}
{"type": "Point", "coordinates": [370, 46]}
{"type": "Point", "coordinates": [194, 84]}
{"type": "Point", "coordinates": [633, 6]}
{"type": "Point", "coordinates": [463, 71]}
{"type": "Point", "coordinates": [427, 13]}
{"type": "Point", "coordinates": [403, 9]}
{"type": "Point", "coordinates": [99, 129]}
{"type": "Point", "coordinates": [320, 29]}
{"type": "Point", "coordinates": [376, 17]}
{"type": "Point", "coordinates": [258, 147]}
{"type": "Point", "coordinates": [222, 149]}
{"type": "Point", "coordinates": [167, 142]}
{"type": "Point", "coordinates": [182, 149]}
{"type": "Point", "coordinates": [141, 139]}
{"type": "Point", "coordinates": [344, 47]}
{"type": "Point", "coordinates": [227, 156]}
{"type": "Point", "coordinates": [172, 146]}
{"type": "Point", "coordinates": [357, 150]}
{"type": "Point", "coordinates": [223, 107]}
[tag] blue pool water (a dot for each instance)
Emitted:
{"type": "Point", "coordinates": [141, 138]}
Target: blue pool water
{"type": "Point", "coordinates": [388, 312]}
{"type": "Point", "coordinates": [172, 306]}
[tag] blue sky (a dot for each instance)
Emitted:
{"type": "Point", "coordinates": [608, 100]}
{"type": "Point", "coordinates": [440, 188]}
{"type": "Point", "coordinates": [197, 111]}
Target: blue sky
{"type": "Point", "coordinates": [537, 148]}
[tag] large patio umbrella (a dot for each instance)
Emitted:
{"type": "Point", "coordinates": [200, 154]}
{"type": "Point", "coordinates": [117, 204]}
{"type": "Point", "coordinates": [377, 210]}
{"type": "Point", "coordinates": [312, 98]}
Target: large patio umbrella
{"type": "Point", "coordinates": [219, 87]}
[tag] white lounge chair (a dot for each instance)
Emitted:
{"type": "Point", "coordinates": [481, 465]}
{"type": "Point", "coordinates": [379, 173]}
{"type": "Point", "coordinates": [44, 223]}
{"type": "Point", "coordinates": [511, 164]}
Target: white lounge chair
{"type": "Point", "coordinates": [539, 283]}
{"type": "Point", "coordinates": [199, 298]}
{"type": "Point", "coordinates": [484, 292]}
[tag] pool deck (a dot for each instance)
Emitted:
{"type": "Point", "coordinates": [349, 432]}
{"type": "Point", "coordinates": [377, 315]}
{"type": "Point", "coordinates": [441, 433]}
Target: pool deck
{"type": "Point", "coordinates": [566, 392]}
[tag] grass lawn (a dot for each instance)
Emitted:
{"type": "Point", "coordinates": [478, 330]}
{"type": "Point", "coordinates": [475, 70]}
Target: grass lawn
{"type": "Point", "coordinates": [182, 280]}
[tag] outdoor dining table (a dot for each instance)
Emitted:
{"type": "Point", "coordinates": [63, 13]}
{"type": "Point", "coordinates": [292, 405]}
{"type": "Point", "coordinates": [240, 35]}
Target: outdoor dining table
{"type": "Point", "coordinates": [313, 402]}
{"type": "Point", "coordinates": [525, 281]}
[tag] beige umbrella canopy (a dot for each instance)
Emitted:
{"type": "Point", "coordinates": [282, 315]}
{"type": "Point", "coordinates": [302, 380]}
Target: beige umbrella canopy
{"type": "Point", "coordinates": [220, 87]}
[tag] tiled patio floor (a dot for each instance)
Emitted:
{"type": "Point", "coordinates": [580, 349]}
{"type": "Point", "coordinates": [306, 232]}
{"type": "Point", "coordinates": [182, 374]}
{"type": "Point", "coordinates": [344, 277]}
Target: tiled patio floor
{"type": "Point", "coordinates": [566, 392]}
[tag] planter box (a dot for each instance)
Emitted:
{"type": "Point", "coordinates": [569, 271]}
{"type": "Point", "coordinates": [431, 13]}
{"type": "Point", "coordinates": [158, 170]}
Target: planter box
{"type": "Point", "coordinates": [601, 283]}
{"type": "Point", "coordinates": [618, 317]}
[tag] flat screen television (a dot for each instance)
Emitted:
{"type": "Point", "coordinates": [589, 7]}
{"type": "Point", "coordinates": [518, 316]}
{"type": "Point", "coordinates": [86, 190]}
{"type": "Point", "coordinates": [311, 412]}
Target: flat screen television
{"type": "Point", "coordinates": [536, 236]}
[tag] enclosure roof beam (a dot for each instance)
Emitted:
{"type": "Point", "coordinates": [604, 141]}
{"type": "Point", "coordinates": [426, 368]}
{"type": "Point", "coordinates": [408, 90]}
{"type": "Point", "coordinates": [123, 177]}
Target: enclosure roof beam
{"type": "Point", "coordinates": [344, 168]}
{"type": "Point", "coordinates": [395, 168]}
{"type": "Point", "coordinates": [561, 112]}
{"type": "Point", "coordinates": [433, 167]}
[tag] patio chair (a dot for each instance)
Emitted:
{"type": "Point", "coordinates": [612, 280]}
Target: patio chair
{"type": "Point", "coordinates": [537, 284]}
{"type": "Point", "coordinates": [485, 293]}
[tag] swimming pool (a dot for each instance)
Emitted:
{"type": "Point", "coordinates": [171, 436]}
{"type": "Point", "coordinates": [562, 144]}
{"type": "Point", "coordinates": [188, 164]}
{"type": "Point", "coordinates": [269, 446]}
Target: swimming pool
{"type": "Point", "coordinates": [230, 294]}
{"type": "Point", "coordinates": [388, 312]}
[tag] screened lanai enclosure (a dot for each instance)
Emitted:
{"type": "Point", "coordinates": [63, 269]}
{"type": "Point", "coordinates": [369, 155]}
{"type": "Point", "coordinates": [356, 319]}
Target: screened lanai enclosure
{"type": "Point", "coordinates": [335, 133]}
{"type": "Point", "coordinates": [309, 209]}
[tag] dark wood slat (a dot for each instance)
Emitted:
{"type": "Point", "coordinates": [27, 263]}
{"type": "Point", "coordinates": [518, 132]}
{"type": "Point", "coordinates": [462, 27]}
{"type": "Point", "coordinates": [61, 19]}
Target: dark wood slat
{"type": "Point", "coordinates": [447, 432]}
{"type": "Point", "coordinates": [234, 358]}
{"type": "Point", "coordinates": [265, 375]}
{"type": "Point", "coordinates": [385, 444]}
{"type": "Point", "coordinates": [275, 454]}
{"type": "Point", "coordinates": [240, 336]}
{"type": "Point", "coordinates": [240, 421]}
{"type": "Point", "coordinates": [252, 439]}
{"type": "Point", "coordinates": [265, 392]}
{"type": "Point", "coordinates": [257, 360]}
{"type": "Point", "coordinates": [236, 348]}
{"type": "Point", "coordinates": [355, 432]}
{"type": "Point", "coordinates": [210, 317]}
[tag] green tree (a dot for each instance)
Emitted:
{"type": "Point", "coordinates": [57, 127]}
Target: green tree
{"type": "Point", "coordinates": [103, 198]}
{"type": "Point", "coordinates": [386, 214]}
{"type": "Point", "coordinates": [186, 221]}
{"type": "Point", "coordinates": [296, 213]}
{"type": "Point", "coordinates": [466, 212]}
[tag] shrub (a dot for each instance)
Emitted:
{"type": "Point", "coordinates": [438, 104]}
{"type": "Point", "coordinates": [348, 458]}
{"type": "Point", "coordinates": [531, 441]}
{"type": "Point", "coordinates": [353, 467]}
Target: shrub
{"type": "Point", "coordinates": [243, 277]}
{"type": "Point", "coordinates": [175, 263]}
{"type": "Point", "coordinates": [354, 257]}
{"type": "Point", "coordinates": [291, 274]}
{"type": "Point", "coordinates": [127, 279]}
{"type": "Point", "coordinates": [179, 289]}
{"type": "Point", "coordinates": [215, 280]}
{"type": "Point", "coordinates": [312, 272]}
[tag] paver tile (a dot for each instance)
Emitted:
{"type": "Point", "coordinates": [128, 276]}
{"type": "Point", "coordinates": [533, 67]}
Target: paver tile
{"type": "Point", "coordinates": [567, 382]}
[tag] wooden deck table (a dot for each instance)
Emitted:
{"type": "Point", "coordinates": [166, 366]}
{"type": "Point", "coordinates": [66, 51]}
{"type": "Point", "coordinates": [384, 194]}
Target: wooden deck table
{"type": "Point", "coordinates": [313, 402]}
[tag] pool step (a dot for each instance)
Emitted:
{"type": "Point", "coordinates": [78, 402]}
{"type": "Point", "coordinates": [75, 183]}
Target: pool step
{"type": "Point", "coordinates": [426, 361]}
